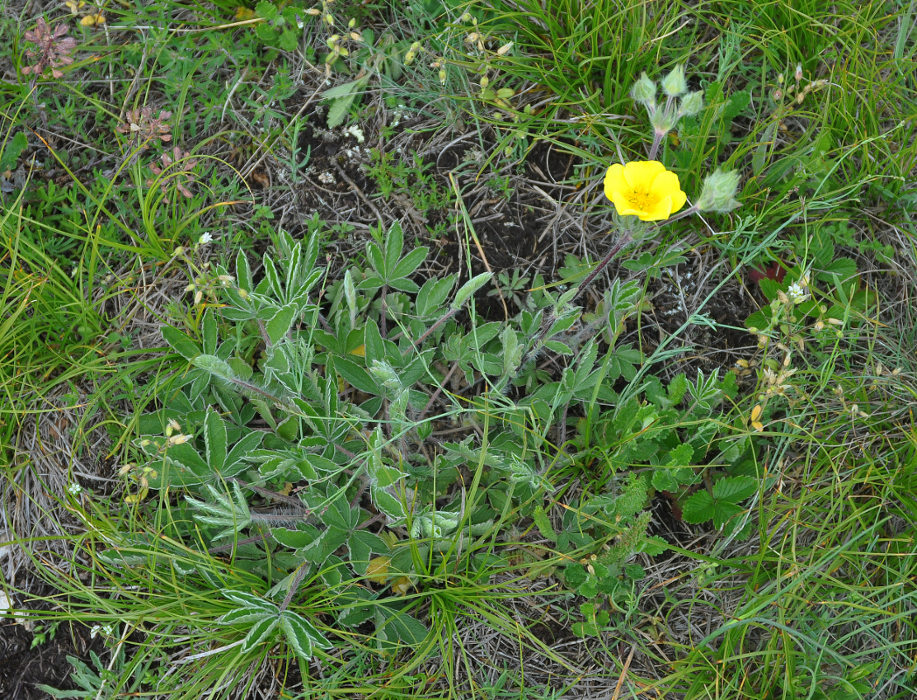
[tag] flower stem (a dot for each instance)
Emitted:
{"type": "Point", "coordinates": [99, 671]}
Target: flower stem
{"type": "Point", "coordinates": [616, 248]}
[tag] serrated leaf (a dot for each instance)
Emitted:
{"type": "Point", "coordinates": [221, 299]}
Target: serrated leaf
{"type": "Point", "coordinates": [734, 488]}
{"type": "Point", "coordinates": [339, 110]}
{"type": "Point", "coordinates": [698, 507]}
{"type": "Point", "coordinates": [266, 10]}
{"type": "Point", "coordinates": [289, 40]}
{"type": "Point", "coordinates": [736, 105]}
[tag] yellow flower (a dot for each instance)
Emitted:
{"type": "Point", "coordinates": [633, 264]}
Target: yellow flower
{"type": "Point", "coordinates": [644, 189]}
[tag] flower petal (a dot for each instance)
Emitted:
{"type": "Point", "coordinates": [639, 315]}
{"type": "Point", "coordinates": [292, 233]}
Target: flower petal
{"type": "Point", "coordinates": [623, 204]}
{"type": "Point", "coordinates": [640, 174]}
{"type": "Point", "coordinates": [614, 181]}
{"type": "Point", "coordinates": [662, 209]}
{"type": "Point", "coordinates": [666, 184]}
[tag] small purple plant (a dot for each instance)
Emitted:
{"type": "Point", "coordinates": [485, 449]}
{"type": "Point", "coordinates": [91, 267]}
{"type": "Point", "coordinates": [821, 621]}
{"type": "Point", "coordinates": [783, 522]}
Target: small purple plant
{"type": "Point", "coordinates": [142, 127]}
{"type": "Point", "coordinates": [53, 49]}
{"type": "Point", "coordinates": [182, 171]}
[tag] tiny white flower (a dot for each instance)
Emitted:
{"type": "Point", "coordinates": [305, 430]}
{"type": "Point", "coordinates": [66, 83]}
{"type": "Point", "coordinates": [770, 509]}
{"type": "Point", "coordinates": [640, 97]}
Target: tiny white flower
{"type": "Point", "coordinates": [93, 631]}
{"type": "Point", "coordinates": [74, 489]}
{"type": "Point", "coordinates": [797, 293]}
{"type": "Point", "coordinates": [205, 238]}
{"type": "Point", "coordinates": [356, 132]}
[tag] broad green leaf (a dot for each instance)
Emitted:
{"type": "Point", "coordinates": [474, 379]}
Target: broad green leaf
{"type": "Point", "coordinates": [280, 323]}
{"type": "Point", "coordinates": [734, 488]}
{"type": "Point", "coordinates": [266, 10]}
{"type": "Point", "coordinates": [296, 539]}
{"type": "Point", "coordinates": [410, 262]}
{"type": "Point", "coordinates": [469, 288]}
{"type": "Point", "coordinates": [400, 627]}
{"type": "Point", "coordinates": [387, 503]}
{"type": "Point", "coordinates": [181, 343]}
{"type": "Point", "coordinates": [356, 376]}
{"type": "Point", "coordinates": [394, 245]}
{"type": "Point", "coordinates": [432, 296]}
{"type": "Point", "coordinates": [214, 440]}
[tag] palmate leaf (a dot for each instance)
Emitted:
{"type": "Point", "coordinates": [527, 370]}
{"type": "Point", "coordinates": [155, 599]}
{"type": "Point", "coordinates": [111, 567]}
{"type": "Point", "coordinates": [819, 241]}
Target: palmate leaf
{"type": "Point", "coordinates": [301, 634]}
{"type": "Point", "coordinates": [259, 632]}
{"type": "Point", "coordinates": [722, 505]}
{"type": "Point", "coordinates": [229, 511]}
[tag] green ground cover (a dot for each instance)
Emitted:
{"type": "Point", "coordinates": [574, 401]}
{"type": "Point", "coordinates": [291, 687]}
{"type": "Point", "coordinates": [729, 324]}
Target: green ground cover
{"type": "Point", "coordinates": [333, 362]}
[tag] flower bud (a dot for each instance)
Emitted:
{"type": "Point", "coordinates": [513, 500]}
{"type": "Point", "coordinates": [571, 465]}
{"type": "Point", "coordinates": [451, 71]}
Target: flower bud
{"type": "Point", "coordinates": [719, 192]}
{"type": "Point", "coordinates": [692, 103]}
{"type": "Point", "coordinates": [674, 84]}
{"type": "Point", "coordinates": [644, 91]}
{"type": "Point", "coordinates": [663, 121]}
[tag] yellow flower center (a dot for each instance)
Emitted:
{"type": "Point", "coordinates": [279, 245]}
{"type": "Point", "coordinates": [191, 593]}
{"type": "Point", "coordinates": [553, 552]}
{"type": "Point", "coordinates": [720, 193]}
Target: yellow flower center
{"type": "Point", "coordinates": [643, 200]}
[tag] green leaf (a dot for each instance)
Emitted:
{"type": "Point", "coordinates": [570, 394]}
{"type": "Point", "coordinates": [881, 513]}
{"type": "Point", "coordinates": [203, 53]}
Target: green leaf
{"type": "Point", "coordinates": [241, 616]}
{"type": "Point", "coordinates": [266, 10]}
{"type": "Point", "coordinates": [181, 343]}
{"type": "Point", "coordinates": [401, 627]}
{"type": "Point", "coordinates": [410, 262]}
{"type": "Point", "coordinates": [394, 245]}
{"type": "Point", "coordinates": [734, 488]}
{"type": "Point", "coordinates": [259, 633]}
{"type": "Point", "coordinates": [844, 268]}
{"type": "Point", "coordinates": [736, 105]}
{"type": "Point", "coordinates": [297, 635]}
{"type": "Point", "coordinates": [387, 503]}
{"type": "Point", "coordinates": [214, 440]}
{"type": "Point", "coordinates": [289, 40]}
{"type": "Point", "coordinates": [243, 272]}
{"type": "Point", "coordinates": [469, 288]}
{"type": "Point", "coordinates": [280, 323]}
{"type": "Point", "coordinates": [543, 523]}
{"type": "Point", "coordinates": [272, 276]}
{"type": "Point", "coordinates": [432, 296]}
{"type": "Point", "coordinates": [249, 601]}
{"type": "Point", "coordinates": [355, 375]}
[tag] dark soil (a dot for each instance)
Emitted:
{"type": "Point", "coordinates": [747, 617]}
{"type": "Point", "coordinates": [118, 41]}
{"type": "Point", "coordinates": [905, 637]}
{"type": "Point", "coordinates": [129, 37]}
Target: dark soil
{"type": "Point", "coordinates": [24, 668]}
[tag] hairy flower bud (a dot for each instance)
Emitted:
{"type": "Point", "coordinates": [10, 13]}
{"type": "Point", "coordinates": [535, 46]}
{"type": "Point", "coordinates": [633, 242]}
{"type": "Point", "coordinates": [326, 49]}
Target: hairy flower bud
{"type": "Point", "coordinates": [644, 91]}
{"type": "Point", "coordinates": [663, 121]}
{"type": "Point", "coordinates": [719, 192]}
{"type": "Point", "coordinates": [692, 103]}
{"type": "Point", "coordinates": [674, 84]}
